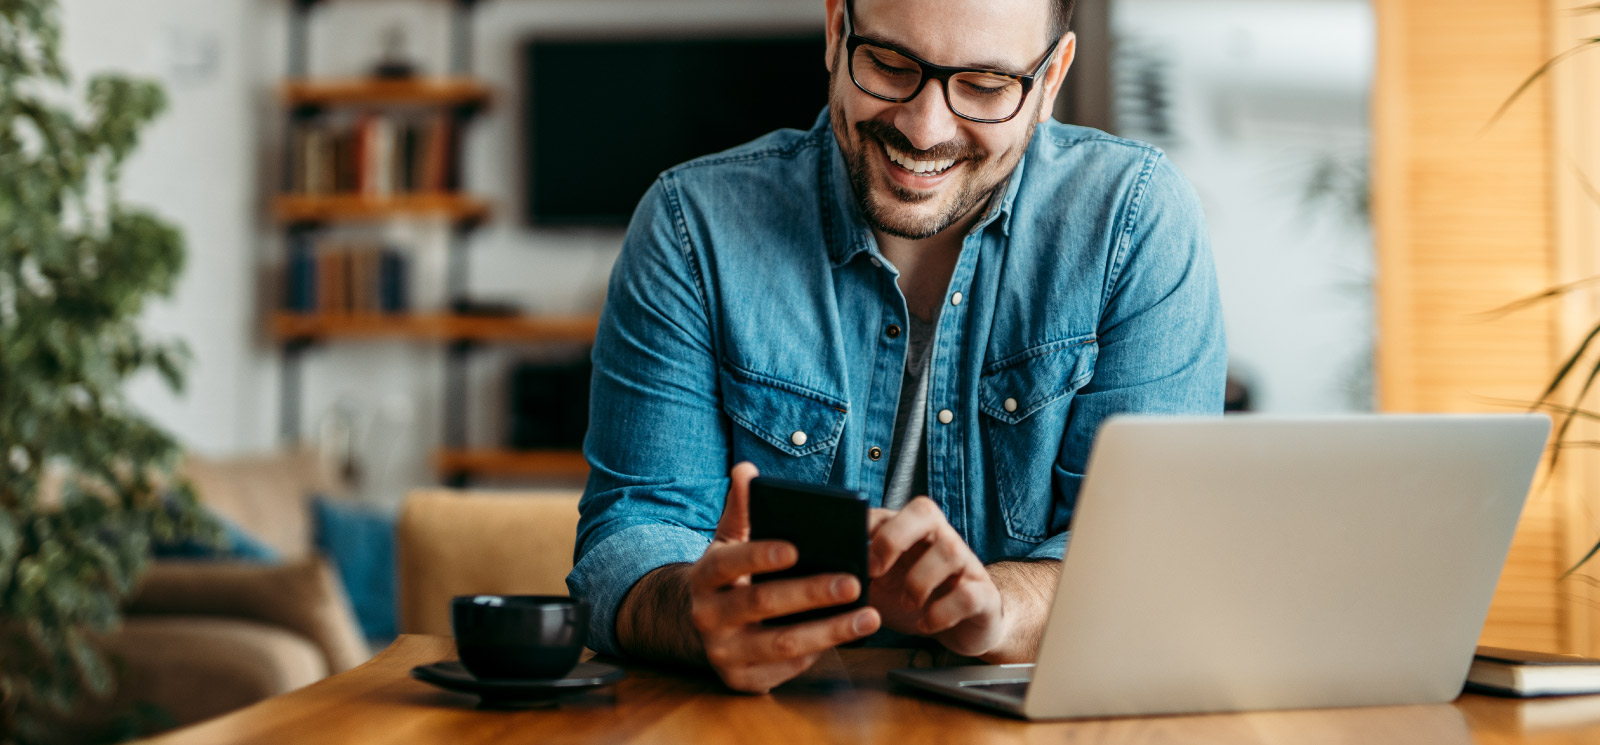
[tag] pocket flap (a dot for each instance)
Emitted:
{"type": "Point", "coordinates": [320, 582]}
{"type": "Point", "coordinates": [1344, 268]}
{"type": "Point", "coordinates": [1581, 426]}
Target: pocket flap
{"type": "Point", "coordinates": [791, 418]}
{"type": "Point", "coordinates": [1017, 386]}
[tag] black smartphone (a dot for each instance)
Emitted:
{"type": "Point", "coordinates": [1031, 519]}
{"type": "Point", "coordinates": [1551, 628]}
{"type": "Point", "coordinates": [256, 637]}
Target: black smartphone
{"type": "Point", "coordinates": [828, 526]}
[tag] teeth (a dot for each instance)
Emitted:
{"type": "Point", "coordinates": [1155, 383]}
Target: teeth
{"type": "Point", "coordinates": [917, 166]}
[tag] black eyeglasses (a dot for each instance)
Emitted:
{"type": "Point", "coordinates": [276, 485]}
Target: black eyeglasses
{"type": "Point", "coordinates": [985, 96]}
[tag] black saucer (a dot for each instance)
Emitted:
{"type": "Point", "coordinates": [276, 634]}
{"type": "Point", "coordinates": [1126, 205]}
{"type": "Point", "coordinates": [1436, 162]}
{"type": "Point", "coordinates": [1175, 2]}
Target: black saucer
{"type": "Point", "coordinates": [510, 692]}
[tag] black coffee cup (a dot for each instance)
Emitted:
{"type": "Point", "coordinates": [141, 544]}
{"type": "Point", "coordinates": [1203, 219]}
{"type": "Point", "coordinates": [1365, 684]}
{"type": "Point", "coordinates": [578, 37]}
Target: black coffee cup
{"type": "Point", "coordinates": [519, 636]}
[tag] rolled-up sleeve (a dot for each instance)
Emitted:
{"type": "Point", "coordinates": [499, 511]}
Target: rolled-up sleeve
{"type": "Point", "coordinates": [612, 566]}
{"type": "Point", "coordinates": [1053, 547]}
{"type": "Point", "coordinates": [657, 440]}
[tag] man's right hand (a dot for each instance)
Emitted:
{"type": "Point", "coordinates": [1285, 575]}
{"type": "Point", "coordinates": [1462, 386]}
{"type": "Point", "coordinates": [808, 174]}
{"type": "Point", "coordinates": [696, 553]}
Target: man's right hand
{"type": "Point", "coordinates": [727, 608]}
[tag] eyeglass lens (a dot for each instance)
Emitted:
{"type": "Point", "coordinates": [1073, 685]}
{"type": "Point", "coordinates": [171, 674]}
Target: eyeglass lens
{"type": "Point", "coordinates": [889, 74]}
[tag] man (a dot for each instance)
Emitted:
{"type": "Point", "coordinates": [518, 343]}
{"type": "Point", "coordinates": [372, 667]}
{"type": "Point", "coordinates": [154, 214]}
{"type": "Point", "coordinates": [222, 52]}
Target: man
{"type": "Point", "coordinates": [928, 297]}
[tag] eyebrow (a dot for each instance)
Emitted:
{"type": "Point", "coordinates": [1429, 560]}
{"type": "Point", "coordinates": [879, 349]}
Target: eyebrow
{"type": "Point", "coordinates": [986, 65]}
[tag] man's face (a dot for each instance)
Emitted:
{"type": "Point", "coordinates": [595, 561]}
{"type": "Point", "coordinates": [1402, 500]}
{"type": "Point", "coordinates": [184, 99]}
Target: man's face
{"type": "Point", "coordinates": [969, 159]}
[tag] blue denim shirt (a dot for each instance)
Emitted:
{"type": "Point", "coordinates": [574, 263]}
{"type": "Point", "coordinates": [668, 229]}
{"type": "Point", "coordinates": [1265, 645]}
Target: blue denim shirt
{"type": "Point", "coordinates": [750, 304]}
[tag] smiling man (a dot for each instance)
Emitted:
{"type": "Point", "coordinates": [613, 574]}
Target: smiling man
{"type": "Point", "coordinates": [934, 296]}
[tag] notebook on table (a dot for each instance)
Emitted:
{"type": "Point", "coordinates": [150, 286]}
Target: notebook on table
{"type": "Point", "coordinates": [1512, 672]}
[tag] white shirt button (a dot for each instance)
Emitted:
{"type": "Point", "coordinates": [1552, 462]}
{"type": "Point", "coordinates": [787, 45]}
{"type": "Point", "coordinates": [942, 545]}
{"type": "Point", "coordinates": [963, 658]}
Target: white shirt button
{"type": "Point", "coordinates": [1011, 404]}
{"type": "Point", "coordinates": [877, 263]}
{"type": "Point", "coordinates": [946, 416]}
{"type": "Point", "coordinates": [798, 438]}
{"type": "Point", "coordinates": [955, 299]}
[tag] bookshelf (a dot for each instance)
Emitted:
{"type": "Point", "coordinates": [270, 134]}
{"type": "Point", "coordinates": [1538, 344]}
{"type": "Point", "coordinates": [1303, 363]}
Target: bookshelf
{"type": "Point", "coordinates": [325, 208]}
{"type": "Point", "coordinates": [440, 327]}
{"type": "Point", "coordinates": [450, 91]}
{"type": "Point", "coordinates": [367, 150]}
{"type": "Point", "coordinates": [458, 465]}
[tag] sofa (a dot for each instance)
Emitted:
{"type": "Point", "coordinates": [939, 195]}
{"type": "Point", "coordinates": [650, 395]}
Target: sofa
{"type": "Point", "coordinates": [204, 637]}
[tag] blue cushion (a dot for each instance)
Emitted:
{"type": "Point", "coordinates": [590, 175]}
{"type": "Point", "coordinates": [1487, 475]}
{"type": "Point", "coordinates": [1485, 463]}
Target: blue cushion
{"type": "Point", "coordinates": [236, 545]}
{"type": "Point", "coordinates": [359, 540]}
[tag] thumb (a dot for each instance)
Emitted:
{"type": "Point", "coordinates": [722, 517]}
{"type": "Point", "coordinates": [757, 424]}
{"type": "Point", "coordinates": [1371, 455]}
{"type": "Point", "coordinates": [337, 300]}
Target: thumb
{"type": "Point", "coordinates": [735, 523]}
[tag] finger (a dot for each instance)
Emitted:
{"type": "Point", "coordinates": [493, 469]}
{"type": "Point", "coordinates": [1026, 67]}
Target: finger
{"type": "Point", "coordinates": [947, 556]}
{"type": "Point", "coordinates": [735, 523]}
{"type": "Point", "coordinates": [764, 600]}
{"type": "Point", "coordinates": [876, 516]}
{"type": "Point", "coordinates": [969, 598]}
{"type": "Point", "coordinates": [722, 565]}
{"type": "Point", "coordinates": [792, 642]}
{"type": "Point", "coordinates": [763, 678]}
{"type": "Point", "coordinates": [896, 575]}
{"type": "Point", "coordinates": [917, 522]}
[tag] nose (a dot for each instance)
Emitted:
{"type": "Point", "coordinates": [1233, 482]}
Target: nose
{"type": "Point", "coordinates": [926, 120]}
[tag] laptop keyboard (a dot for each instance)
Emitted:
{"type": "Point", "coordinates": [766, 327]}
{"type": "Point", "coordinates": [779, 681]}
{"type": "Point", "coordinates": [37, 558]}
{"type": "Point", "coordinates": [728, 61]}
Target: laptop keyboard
{"type": "Point", "coordinates": [1003, 688]}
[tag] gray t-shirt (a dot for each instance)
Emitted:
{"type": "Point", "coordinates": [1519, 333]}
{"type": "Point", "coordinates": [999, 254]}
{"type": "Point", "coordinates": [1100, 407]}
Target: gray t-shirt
{"type": "Point", "coordinates": [908, 463]}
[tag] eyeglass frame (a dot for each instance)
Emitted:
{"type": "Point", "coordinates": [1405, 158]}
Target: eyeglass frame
{"type": "Point", "coordinates": [941, 73]}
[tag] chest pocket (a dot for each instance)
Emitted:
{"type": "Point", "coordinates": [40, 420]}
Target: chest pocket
{"type": "Point", "coordinates": [1025, 399]}
{"type": "Point", "coordinates": [786, 430]}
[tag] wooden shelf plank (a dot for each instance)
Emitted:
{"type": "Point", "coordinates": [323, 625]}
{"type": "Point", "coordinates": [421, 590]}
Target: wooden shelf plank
{"type": "Point", "coordinates": [353, 207]}
{"type": "Point", "coordinates": [566, 464]}
{"type": "Point", "coordinates": [436, 327]}
{"type": "Point", "coordinates": [447, 91]}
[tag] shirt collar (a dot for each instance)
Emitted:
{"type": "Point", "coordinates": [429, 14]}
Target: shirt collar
{"type": "Point", "coordinates": [844, 227]}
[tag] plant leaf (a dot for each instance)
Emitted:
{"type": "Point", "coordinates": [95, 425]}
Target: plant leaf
{"type": "Point", "coordinates": [1585, 45]}
{"type": "Point", "coordinates": [76, 267]}
{"type": "Point", "coordinates": [1566, 421]}
{"type": "Point", "coordinates": [1586, 557]}
{"type": "Point", "coordinates": [1539, 297]}
{"type": "Point", "coordinates": [1566, 367]}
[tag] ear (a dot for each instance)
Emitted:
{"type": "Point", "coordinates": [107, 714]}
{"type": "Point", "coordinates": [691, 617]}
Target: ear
{"type": "Point", "coordinates": [834, 10]}
{"type": "Point", "coordinates": [1066, 51]}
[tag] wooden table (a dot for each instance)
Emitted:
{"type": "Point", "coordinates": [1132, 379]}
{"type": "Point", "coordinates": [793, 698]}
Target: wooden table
{"type": "Point", "coordinates": [846, 698]}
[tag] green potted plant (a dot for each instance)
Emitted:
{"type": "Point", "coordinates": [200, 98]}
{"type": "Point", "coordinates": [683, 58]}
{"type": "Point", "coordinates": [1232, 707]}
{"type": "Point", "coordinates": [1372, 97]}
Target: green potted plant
{"type": "Point", "coordinates": [1567, 409]}
{"type": "Point", "coordinates": [86, 483]}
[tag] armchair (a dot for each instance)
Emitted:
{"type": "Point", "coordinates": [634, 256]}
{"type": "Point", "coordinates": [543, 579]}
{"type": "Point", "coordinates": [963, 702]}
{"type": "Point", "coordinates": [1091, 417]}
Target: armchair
{"type": "Point", "coordinates": [461, 543]}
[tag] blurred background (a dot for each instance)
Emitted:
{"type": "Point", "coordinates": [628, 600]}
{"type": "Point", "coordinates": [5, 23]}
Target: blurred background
{"type": "Point", "coordinates": [401, 216]}
{"type": "Point", "coordinates": [1263, 104]}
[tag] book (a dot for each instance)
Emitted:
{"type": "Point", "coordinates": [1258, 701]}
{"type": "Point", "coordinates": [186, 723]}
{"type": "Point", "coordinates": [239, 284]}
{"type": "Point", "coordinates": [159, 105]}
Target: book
{"type": "Point", "coordinates": [435, 160]}
{"type": "Point", "coordinates": [319, 161]}
{"type": "Point", "coordinates": [1510, 672]}
{"type": "Point", "coordinates": [363, 136]}
{"type": "Point", "coordinates": [373, 154]}
{"type": "Point", "coordinates": [408, 156]}
{"type": "Point", "coordinates": [378, 164]}
{"type": "Point", "coordinates": [392, 281]}
{"type": "Point", "coordinates": [342, 156]}
{"type": "Point", "coordinates": [364, 280]}
{"type": "Point", "coordinates": [333, 285]}
{"type": "Point", "coordinates": [338, 276]}
{"type": "Point", "coordinates": [301, 280]}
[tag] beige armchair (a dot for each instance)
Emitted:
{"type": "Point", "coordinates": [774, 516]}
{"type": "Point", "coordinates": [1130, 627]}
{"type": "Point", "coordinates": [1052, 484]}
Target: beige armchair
{"type": "Point", "coordinates": [202, 638]}
{"type": "Point", "coordinates": [452, 543]}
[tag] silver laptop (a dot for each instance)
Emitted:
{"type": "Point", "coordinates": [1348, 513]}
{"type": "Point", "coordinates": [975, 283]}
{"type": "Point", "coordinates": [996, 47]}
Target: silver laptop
{"type": "Point", "coordinates": [1271, 563]}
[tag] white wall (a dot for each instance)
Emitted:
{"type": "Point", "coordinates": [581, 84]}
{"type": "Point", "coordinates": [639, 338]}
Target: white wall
{"type": "Point", "coordinates": [208, 164]}
{"type": "Point", "coordinates": [196, 167]}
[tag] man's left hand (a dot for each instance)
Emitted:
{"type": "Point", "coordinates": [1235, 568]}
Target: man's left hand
{"type": "Point", "coordinates": [926, 581]}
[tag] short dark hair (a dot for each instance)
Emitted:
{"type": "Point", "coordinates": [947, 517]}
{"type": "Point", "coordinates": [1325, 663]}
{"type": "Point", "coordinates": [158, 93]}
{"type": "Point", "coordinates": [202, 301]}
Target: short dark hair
{"type": "Point", "coordinates": [1060, 17]}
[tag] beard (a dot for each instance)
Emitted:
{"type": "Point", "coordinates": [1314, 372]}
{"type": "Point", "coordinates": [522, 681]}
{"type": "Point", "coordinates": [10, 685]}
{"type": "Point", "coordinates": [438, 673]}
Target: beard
{"type": "Point", "coordinates": [883, 203]}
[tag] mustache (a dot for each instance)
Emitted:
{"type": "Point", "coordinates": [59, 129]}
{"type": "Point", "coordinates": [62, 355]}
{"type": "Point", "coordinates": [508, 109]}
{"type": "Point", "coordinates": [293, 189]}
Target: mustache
{"type": "Point", "coordinates": [887, 134]}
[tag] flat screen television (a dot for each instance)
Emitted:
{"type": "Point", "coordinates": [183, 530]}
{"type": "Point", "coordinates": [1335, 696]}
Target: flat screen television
{"type": "Point", "coordinates": [603, 117]}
